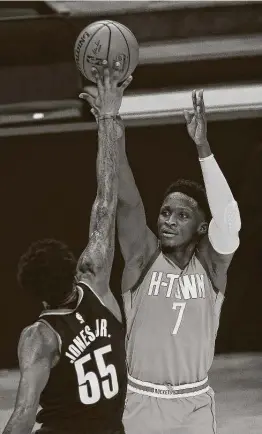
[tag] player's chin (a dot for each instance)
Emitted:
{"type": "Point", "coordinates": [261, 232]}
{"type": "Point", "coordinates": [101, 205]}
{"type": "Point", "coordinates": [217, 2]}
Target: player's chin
{"type": "Point", "coordinates": [169, 244]}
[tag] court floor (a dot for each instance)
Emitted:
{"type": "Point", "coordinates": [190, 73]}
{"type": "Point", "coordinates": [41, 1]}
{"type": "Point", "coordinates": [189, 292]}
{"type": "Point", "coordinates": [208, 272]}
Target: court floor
{"type": "Point", "coordinates": [236, 379]}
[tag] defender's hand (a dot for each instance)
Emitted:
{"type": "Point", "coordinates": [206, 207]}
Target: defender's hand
{"type": "Point", "coordinates": [109, 97]}
{"type": "Point", "coordinates": [196, 122]}
{"type": "Point", "coordinates": [91, 96]}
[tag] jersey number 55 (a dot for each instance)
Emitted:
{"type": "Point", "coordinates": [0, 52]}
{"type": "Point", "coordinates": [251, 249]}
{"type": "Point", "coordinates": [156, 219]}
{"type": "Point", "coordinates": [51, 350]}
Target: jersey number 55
{"type": "Point", "coordinates": [89, 383]}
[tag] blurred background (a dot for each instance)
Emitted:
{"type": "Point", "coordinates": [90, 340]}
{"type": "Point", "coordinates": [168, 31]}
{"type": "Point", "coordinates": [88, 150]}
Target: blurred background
{"type": "Point", "coordinates": [48, 151]}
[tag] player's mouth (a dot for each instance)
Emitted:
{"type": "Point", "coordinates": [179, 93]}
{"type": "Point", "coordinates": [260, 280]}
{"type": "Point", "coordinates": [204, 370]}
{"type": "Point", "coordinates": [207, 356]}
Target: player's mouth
{"type": "Point", "coordinates": [168, 234]}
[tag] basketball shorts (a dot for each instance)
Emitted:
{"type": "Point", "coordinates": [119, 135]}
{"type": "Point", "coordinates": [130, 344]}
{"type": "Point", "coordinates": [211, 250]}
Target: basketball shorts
{"type": "Point", "coordinates": [146, 414]}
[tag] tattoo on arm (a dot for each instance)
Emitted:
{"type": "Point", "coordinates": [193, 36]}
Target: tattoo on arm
{"type": "Point", "coordinates": [99, 252]}
{"type": "Point", "coordinates": [35, 360]}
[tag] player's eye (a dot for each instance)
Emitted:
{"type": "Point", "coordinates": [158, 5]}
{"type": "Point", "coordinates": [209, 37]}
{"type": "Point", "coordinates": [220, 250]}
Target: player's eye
{"type": "Point", "coordinates": [165, 213]}
{"type": "Point", "coordinates": [183, 215]}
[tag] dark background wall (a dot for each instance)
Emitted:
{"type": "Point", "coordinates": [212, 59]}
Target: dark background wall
{"type": "Point", "coordinates": [48, 181]}
{"type": "Point", "coordinates": [48, 186]}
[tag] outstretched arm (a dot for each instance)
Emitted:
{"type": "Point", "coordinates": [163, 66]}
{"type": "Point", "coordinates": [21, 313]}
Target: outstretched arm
{"type": "Point", "coordinates": [136, 240]}
{"type": "Point", "coordinates": [225, 225]}
{"type": "Point", "coordinates": [95, 262]}
{"type": "Point", "coordinates": [37, 350]}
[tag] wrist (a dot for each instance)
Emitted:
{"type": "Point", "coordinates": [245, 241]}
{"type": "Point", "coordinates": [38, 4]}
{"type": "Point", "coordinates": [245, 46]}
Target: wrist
{"type": "Point", "coordinates": [203, 142]}
{"type": "Point", "coordinates": [107, 116]}
{"type": "Point", "coordinates": [209, 157]}
{"type": "Point", "coordinates": [204, 150]}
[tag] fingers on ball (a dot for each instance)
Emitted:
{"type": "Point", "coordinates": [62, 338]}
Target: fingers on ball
{"type": "Point", "coordinates": [127, 82]}
{"type": "Point", "coordinates": [106, 76]}
{"type": "Point", "coordinates": [194, 99]}
{"type": "Point", "coordinates": [94, 71]}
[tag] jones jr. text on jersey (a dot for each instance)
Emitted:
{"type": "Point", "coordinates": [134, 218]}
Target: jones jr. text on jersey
{"type": "Point", "coordinates": [85, 338]}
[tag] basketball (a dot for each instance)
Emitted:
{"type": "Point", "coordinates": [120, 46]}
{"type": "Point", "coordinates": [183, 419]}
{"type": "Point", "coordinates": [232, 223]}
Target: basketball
{"type": "Point", "coordinates": [106, 40]}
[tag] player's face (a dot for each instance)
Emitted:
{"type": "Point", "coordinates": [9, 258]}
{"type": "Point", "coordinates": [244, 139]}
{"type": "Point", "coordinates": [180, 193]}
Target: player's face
{"type": "Point", "coordinates": [180, 221]}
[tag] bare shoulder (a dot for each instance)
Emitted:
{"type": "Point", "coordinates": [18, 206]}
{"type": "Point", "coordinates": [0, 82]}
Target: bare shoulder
{"type": "Point", "coordinates": [36, 353]}
{"type": "Point", "coordinates": [37, 341]}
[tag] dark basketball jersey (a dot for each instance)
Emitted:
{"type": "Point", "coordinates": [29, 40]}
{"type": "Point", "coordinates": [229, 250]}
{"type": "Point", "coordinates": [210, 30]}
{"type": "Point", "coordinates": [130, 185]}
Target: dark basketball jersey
{"type": "Point", "coordinates": [87, 387]}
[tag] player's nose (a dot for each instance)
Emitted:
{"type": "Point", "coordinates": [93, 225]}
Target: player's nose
{"type": "Point", "coordinates": [172, 221]}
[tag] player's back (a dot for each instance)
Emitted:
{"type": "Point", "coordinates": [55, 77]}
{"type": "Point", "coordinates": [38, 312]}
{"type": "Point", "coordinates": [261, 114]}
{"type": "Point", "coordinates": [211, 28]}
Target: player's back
{"type": "Point", "coordinates": [172, 320]}
{"type": "Point", "coordinates": [86, 389]}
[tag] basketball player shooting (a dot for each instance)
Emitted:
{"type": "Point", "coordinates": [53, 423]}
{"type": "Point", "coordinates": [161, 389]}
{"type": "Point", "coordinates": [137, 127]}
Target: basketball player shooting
{"type": "Point", "coordinates": [173, 289]}
{"type": "Point", "coordinates": [72, 359]}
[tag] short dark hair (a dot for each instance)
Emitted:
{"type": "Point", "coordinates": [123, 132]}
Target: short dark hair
{"type": "Point", "coordinates": [194, 190]}
{"type": "Point", "coordinates": [47, 270]}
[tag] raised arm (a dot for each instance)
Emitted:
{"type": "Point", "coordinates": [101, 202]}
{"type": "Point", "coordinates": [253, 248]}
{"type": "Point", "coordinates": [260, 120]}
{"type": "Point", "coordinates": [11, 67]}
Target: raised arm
{"type": "Point", "coordinates": [95, 262]}
{"type": "Point", "coordinates": [136, 240]}
{"type": "Point", "coordinates": [223, 233]}
{"type": "Point", "coordinates": [37, 351]}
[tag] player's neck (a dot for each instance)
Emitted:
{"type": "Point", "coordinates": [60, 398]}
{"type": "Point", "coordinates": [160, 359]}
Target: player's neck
{"type": "Point", "coordinates": [181, 255]}
{"type": "Point", "coordinates": [69, 303]}
{"type": "Point", "coordinates": [70, 300]}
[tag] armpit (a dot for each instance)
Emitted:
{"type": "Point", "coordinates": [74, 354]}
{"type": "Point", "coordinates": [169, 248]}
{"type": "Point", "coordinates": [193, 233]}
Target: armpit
{"type": "Point", "coordinates": [215, 264]}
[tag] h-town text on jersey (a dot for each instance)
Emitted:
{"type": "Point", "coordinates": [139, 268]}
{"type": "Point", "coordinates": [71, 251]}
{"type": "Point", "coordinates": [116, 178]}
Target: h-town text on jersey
{"type": "Point", "coordinates": [176, 286]}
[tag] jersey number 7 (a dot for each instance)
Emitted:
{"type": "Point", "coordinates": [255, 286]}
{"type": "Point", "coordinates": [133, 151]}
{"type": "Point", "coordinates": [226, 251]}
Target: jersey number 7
{"type": "Point", "coordinates": [181, 307]}
{"type": "Point", "coordinates": [92, 394]}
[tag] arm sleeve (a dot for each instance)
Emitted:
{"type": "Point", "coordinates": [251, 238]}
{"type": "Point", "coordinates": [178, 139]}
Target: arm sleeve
{"type": "Point", "coordinates": [225, 225]}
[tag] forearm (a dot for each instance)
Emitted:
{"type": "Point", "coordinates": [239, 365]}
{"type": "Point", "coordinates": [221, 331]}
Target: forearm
{"type": "Point", "coordinates": [218, 191]}
{"type": "Point", "coordinates": [21, 422]}
{"type": "Point", "coordinates": [226, 222]}
{"type": "Point", "coordinates": [107, 168]}
{"type": "Point", "coordinates": [107, 161]}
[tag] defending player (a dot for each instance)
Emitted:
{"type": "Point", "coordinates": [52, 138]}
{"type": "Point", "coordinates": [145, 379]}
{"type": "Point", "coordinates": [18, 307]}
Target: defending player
{"type": "Point", "coordinates": [173, 291]}
{"type": "Point", "coordinates": [72, 360]}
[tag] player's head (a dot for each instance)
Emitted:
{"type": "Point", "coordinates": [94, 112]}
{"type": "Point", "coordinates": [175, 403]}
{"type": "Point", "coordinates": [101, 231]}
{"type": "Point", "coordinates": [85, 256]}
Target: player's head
{"type": "Point", "coordinates": [184, 215]}
{"type": "Point", "coordinates": [47, 271]}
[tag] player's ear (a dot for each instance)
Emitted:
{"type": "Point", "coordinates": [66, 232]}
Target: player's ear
{"type": "Point", "coordinates": [203, 228]}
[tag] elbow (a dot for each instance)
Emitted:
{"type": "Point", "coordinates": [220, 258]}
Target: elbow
{"type": "Point", "coordinates": [224, 229]}
{"type": "Point", "coordinates": [224, 239]}
{"type": "Point", "coordinates": [228, 219]}
{"type": "Point", "coordinates": [84, 268]}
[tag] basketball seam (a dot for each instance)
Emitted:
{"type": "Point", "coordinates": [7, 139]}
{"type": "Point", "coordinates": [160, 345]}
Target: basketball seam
{"type": "Point", "coordinates": [89, 43]}
{"type": "Point", "coordinates": [109, 41]}
{"type": "Point", "coordinates": [131, 33]}
{"type": "Point", "coordinates": [126, 45]}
